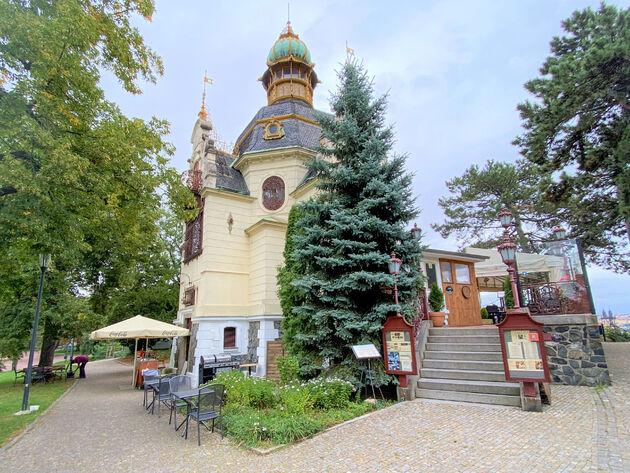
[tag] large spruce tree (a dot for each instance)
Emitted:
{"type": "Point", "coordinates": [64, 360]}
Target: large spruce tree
{"type": "Point", "coordinates": [346, 234]}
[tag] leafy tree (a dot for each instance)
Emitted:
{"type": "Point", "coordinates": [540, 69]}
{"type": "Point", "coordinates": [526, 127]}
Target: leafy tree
{"type": "Point", "coordinates": [78, 179]}
{"type": "Point", "coordinates": [346, 234]}
{"type": "Point", "coordinates": [477, 197]}
{"type": "Point", "coordinates": [578, 130]}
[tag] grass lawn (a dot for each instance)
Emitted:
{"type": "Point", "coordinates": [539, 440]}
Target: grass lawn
{"type": "Point", "coordinates": [11, 401]}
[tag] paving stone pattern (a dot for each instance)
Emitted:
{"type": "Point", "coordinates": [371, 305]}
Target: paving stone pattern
{"type": "Point", "coordinates": [99, 427]}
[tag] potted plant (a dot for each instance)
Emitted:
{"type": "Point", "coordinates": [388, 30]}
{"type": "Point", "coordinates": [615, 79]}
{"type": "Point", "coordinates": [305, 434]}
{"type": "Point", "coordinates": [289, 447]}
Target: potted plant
{"type": "Point", "coordinates": [436, 304]}
{"type": "Point", "coordinates": [485, 317]}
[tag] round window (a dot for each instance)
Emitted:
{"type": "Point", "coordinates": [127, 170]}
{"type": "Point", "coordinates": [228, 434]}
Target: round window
{"type": "Point", "coordinates": [273, 193]}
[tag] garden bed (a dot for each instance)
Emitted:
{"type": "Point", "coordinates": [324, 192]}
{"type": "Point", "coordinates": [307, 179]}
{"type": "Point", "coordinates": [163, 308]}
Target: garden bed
{"type": "Point", "coordinates": [262, 414]}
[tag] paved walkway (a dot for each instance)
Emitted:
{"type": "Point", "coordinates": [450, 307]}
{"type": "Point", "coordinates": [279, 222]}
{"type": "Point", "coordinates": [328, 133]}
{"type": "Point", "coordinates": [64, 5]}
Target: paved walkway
{"type": "Point", "coordinates": [99, 427]}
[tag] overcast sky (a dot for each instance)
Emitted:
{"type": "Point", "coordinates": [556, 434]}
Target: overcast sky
{"type": "Point", "coordinates": [454, 71]}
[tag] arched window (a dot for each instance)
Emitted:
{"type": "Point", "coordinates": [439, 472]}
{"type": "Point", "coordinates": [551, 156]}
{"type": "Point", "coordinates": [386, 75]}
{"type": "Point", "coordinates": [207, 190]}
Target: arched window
{"type": "Point", "coordinates": [229, 337]}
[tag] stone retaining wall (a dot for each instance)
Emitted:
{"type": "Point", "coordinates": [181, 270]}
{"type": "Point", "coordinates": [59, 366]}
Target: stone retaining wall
{"type": "Point", "coordinates": [574, 353]}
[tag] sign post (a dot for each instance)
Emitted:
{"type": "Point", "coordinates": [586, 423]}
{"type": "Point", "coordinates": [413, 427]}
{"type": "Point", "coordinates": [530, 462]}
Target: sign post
{"type": "Point", "coordinates": [399, 349]}
{"type": "Point", "coordinates": [524, 355]}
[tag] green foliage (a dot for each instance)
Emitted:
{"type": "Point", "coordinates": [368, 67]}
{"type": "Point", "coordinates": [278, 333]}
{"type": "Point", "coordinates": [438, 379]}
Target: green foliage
{"type": "Point", "coordinates": [615, 334]}
{"type": "Point", "coordinates": [248, 391]}
{"type": "Point", "coordinates": [478, 195]}
{"type": "Point", "coordinates": [484, 313]}
{"type": "Point", "coordinates": [509, 296]}
{"type": "Point", "coordinates": [345, 235]}
{"type": "Point", "coordinates": [577, 131]}
{"type": "Point", "coordinates": [78, 179]}
{"type": "Point", "coordinates": [330, 393]}
{"type": "Point", "coordinates": [436, 298]}
{"type": "Point", "coordinates": [289, 368]}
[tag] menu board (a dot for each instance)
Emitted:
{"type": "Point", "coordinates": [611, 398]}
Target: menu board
{"type": "Point", "coordinates": [399, 356]}
{"type": "Point", "coordinates": [522, 349]}
{"type": "Point", "coordinates": [365, 351]}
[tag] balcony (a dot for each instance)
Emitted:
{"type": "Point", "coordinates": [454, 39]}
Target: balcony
{"type": "Point", "coordinates": [193, 180]}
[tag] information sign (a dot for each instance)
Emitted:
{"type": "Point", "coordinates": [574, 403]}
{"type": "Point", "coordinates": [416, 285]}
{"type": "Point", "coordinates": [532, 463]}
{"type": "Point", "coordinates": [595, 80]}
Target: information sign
{"type": "Point", "coordinates": [364, 352]}
{"type": "Point", "coordinates": [399, 347]}
{"type": "Point", "coordinates": [524, 355]}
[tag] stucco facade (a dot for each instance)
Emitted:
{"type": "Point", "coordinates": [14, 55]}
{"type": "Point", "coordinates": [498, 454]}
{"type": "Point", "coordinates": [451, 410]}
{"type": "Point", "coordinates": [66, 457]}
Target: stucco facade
{"type": "Point", "coordinates": [228, 294]}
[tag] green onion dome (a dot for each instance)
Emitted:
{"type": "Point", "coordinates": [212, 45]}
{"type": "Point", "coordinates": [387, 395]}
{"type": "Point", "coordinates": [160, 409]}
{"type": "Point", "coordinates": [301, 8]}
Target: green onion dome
{"type": "Point", "coordinates": [289, 46]}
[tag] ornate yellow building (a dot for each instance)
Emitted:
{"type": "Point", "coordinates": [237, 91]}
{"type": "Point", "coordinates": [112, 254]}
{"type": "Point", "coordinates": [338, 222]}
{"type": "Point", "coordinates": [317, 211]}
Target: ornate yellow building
{"type": "Point", "coordinates": [233, 249]}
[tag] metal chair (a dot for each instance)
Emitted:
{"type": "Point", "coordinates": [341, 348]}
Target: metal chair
{"type": "Point", "coordinates": [149, 380]}
{"type": "Point", "coordinates": [178, 383]}
{"type": "Point", "coordinates": [207, 408]}
{"type": "Point", "coordinates": [162, 393]}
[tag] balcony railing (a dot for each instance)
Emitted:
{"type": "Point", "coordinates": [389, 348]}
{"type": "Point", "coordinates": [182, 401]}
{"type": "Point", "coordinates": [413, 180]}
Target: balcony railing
{"type": "Point", "coordinates": [555, 298]}
{"type": "Point", "coordinates": [193, 180]}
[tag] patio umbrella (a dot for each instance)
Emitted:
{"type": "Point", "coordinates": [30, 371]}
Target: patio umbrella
{"type": "Point", "coordinates": [138, 327]}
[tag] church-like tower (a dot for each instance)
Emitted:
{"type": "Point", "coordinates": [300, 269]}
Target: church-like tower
{"type": "Point", "coordinates": [289, 71]}
{"type": "Point", "coordinates": [232, 250]}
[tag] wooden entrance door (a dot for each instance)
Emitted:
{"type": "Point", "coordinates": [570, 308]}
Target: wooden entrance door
{"type": "Point", "coordinates": [460, 293]}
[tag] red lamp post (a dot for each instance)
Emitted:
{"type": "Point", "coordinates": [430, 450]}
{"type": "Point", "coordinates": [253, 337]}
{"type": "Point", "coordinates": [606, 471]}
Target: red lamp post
{"type": "Point", "coordinates": [394, 269]}
{"type": "Point", "coordinates": [508, 253]}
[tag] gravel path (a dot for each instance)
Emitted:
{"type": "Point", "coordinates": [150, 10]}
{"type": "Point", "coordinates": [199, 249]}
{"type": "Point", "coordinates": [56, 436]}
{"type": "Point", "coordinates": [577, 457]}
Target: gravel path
{"type": "Point", "coordinates": [100, 427]}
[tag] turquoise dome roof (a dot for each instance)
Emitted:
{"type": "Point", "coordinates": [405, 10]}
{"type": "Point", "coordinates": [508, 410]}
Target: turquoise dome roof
{"type": "Point", "coordinates": [289, 44]}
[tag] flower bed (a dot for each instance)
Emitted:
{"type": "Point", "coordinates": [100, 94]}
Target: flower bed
{"type": "Point", "coordinates": [260, 413]}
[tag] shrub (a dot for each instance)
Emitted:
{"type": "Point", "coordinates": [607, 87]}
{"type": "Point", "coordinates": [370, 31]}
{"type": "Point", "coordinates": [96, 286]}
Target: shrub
{"type": "Point", "coordinates": [330, 393]}
{"type": "Point", "coordinates": [289, 367]}
{"type": "Point", "coordinates": [295, 398]}
{"type": "Point", "coordinates": [484, 313]}
{"type": "Point", "coordinates": [436, 298]}
{"type": "Point", "coordinates": [247, 390]}
{"type": "Point", "coordinates": [615, 334]}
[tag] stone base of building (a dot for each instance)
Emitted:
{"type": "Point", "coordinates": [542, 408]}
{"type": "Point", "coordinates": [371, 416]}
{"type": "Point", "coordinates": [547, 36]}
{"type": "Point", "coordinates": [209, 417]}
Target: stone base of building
{"type": "Point", "coordinates": [575, 354]}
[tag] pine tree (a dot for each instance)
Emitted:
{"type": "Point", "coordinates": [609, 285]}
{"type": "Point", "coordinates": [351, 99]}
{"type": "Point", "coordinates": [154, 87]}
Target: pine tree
{"type": "Point", "coordinates": [347, 233]}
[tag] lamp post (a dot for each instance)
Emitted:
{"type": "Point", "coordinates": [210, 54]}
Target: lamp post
{"type": "Point", "coordinates": [416, 231]}
{"type": "Point", "coordinates": [394, 269]}
{"type": "Point", "coordinates": [508, 253]}
{"type": "Point", "coordinates": [44, 262]}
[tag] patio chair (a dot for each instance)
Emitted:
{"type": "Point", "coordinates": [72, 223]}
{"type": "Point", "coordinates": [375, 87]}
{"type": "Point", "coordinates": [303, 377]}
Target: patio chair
{"type": "Point", "coordinates": [207, 408]}
{"type": "Point", "coordinates": [162, 393]}
{"type": "Point", "coordinates": [149, 380]}
{"type": "Point", "coordinates": [178, 383]}
{"type": "Point", "coordinates": [19, 375]}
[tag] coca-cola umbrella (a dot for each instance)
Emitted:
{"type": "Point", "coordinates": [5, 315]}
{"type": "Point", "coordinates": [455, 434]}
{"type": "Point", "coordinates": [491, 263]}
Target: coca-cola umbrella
{"type": "Point", "coordinates": [138, 327]}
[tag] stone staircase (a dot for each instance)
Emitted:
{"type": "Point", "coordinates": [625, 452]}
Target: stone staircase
{"type": "Point", "coordinates": [465, 365]}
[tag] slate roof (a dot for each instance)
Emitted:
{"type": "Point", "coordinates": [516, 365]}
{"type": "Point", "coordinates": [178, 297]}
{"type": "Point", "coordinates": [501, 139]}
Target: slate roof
{"type": "Point", "coordinates": [296, 132]}
{"type": "Point", "coordinates": [229, 178]}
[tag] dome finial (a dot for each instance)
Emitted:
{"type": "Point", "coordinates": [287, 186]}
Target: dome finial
{"type": "Point", "coordinates": [203, 114]}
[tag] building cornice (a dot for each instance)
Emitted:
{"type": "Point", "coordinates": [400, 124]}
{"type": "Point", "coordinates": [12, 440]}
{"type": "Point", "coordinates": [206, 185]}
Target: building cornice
{"type": "Point", "coordinates": [224, 193]}
{"type": "Point", "coordinates": [268, 222]}
{"type": "Point", "coordinates": [273, 153]}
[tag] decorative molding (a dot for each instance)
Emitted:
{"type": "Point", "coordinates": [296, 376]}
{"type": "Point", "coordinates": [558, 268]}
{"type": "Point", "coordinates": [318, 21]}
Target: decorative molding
{"type": "Point", "coordinates": [266, 222]}
{"type": "Point", "coordinates": [274, 130]}
{"type": "Point", "coordinates": [223, 193]}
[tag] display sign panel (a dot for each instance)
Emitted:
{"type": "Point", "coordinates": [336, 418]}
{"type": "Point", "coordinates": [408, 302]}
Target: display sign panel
{"type": "Point", "coordinates": [363, 352]}
{"type": "Point", "coordinates": [399, 357]}
{"type": "Point", "coordinates": [524, 357]}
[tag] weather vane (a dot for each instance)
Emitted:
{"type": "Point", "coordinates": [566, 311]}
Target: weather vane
{"type": "Point", "coordinates": [203, 114]}
{"type": "Point", "coordinates": [349, 52]}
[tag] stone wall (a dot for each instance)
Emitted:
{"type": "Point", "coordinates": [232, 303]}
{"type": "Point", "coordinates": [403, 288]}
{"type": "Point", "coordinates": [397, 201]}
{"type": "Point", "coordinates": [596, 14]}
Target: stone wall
{"type": "Point", "coordinates": [252, 341]}
{"type": "Point", "coordinates": [575, 354]}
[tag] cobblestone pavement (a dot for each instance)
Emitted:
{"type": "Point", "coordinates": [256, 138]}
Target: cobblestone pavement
{"type": "Point", "coordinates": [100, 427]}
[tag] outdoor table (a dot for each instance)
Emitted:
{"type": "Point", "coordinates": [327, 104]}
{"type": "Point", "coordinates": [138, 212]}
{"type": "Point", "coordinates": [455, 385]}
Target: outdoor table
{"type": "Point", "coordinates": [249, 367]}
{"type": "Point", "coordinates": [188, 397]}
{"type": "Point", "coordinates": [144, 365]}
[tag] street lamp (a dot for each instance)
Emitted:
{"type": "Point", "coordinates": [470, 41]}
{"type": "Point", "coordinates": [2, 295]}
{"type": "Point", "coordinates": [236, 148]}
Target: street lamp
{"type": "Point", "coordinates": [416, 232]}
{"type": "Point", "coordinates": [507, 250]}
{"type": "Point", "coordinates": [394, 270]}
{"type": "Point", "coordinates": [559, 233]}
{"type": "Point", "coordinates": [44, 262]}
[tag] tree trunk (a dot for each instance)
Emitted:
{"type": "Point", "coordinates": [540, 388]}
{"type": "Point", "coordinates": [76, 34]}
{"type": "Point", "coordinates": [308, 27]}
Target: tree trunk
{"type": "Point", "coordinates": [49, 344]}
{"type": "Point", "coordinates": [523, 241]}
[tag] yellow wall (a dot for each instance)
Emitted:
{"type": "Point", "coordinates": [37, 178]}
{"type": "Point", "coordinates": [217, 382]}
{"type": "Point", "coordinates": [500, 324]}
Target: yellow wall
{"type": "Point", "coordinates": [236, 273]}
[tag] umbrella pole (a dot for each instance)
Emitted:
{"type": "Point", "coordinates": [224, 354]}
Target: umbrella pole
{"type": "Point", "coordinates": [133, 376]}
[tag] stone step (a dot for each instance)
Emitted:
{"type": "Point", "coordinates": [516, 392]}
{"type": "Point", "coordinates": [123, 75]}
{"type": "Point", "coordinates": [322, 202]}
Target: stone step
{"type": "Point", "coordinates": [492, 339]}
{"type": "Point", "coordinates": [485, 387]}
{"type": "Point", "coordinates": [464, 347]}
{"type": "Point", "coordinates": [464, 355]}
{"type": "Point", "coordinates": [495, 399]}
{"type": "Point", "coordinates": [463, 364]}
{"type": "Point", "coordinates": [446, 331]}
{"type": "Point", "coordinates": [476, 375]}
